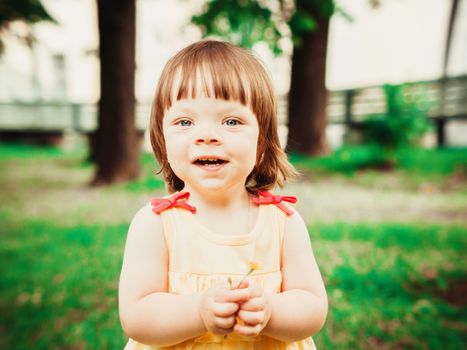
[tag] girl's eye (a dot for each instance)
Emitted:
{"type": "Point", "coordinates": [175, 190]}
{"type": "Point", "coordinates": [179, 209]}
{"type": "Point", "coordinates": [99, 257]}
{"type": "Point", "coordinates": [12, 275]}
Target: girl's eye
{"type": "Point", "coordinates": [184, 122]}
{"type": "Point", "coordinates": [232, 122]}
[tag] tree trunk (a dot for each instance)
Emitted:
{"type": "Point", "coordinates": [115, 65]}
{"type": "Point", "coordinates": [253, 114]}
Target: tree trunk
{"type": "Point", "coordinates": [308, 95]}
{"type": "Point", "coordinates": [451, 22]}
{"type": "Point", "coordinates": [116, 144]}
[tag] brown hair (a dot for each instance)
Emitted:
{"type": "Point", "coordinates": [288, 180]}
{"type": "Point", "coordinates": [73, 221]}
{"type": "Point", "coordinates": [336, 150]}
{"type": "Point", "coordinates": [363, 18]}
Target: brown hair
{"type": "Point", "coordinates": [227, 72]}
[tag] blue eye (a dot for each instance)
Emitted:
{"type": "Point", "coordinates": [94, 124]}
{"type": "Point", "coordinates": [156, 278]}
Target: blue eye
{"type": "Point", "coordinates": [184, 122]}
{"type": "Point", "coordinates": [232, 122]}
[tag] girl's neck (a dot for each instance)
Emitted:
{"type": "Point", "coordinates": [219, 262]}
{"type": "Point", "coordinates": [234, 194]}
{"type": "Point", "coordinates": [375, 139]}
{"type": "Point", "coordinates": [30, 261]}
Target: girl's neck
{"type": "Point", "coordinates": [215, 208]}
{"type": "Point", "coordinates": [219, 200]}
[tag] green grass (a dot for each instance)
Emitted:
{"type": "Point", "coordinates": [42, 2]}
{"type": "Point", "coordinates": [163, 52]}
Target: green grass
{"type": "Point", "coordinates": [393, 285]}
{"type": "Point", "coordinates": [390, 285]}
{"type": "Point", "coordinates": [150, 179]}
{"type": "Point", "coordinates": [59, 285]}
{"type": "Point", "coordinates": [8, 151]}
{"type": "Point", "coordinates": [387, 284]}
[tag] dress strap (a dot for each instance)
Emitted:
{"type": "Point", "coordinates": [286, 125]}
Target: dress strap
{"type": "Point", "coordinates": [176, 200]}
{"type": "Point", "coordinates": [269, 198]}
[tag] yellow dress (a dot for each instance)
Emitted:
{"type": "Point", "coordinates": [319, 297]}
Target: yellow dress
{"type": "Point", "coordinates": [199, 258]}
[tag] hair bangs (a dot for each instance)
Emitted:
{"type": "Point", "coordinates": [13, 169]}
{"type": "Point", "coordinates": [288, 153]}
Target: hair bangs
{"type": "Point", "coordinates": [210, 75]}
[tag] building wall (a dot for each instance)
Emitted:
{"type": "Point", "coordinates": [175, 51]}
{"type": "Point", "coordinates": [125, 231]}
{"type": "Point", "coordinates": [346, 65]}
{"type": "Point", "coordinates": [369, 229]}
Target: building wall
{"type": "Point", "coordinates": [397, 42]}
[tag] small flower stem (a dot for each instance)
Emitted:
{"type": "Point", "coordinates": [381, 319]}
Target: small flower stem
{"type": "Point", "coordinates": [244, 278]}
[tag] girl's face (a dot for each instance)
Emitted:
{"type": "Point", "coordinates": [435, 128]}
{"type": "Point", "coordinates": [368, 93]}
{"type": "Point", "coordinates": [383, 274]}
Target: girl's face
{"type": "Point", "coordinates": [211, 144]}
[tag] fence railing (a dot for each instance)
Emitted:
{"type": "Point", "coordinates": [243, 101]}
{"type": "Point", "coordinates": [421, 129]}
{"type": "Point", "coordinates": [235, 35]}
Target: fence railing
{"type": "Point", "coordinates": [447, 100]}
{"type": "Point", "coordinates": [48, 116]}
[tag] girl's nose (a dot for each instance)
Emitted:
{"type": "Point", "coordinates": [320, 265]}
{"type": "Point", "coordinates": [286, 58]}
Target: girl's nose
{"type": "Point", "coordinates": [208, 136]}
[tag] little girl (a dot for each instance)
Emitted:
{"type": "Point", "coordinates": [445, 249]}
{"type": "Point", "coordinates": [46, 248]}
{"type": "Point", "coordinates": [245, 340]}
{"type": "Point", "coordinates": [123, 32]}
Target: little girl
{"type": "Point", "coordinates": [221, 263]}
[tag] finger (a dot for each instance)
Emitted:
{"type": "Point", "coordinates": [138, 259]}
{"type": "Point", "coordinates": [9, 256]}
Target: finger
{"type": "Point", "coordinates": [253, 304]}
{"type": "Point", "coordinates": [255, 290]}
{"type": "Point", "coordinates": [224, 322]}
{"type": "Point", "coordinates": [251, 318]}
{"type": "Point", "coordinates": [225, 309]}
{"type": "Point", "coordinates": [247, 330]}
{"type": "Point", "coordinates": [222, 293]}
{"type": "Point", "coordinates": [234, 296]}
{"type": "Point", "coordinates": [217, 291]}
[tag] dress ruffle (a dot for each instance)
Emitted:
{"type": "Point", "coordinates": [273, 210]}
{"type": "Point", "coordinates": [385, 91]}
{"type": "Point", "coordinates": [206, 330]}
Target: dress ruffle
{"type": "Point", "coordinates": [187, 282]}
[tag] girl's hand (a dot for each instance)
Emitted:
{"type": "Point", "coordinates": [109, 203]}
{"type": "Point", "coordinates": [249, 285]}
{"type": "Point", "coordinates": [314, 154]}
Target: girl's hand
{"type": "Point", "coordinates": [255, 313]}
{"type": "Point", "coordinates": [219, 305]}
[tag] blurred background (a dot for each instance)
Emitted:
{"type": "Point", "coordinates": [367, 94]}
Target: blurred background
{"type": "Point", "coordinates": [372, 107]}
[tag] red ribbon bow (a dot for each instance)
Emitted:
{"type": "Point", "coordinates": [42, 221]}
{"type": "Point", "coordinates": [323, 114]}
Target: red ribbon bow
{"type": "Point", "coordinates": [177, 200]}
{"type": "Point", "coordinates": [269, 198]}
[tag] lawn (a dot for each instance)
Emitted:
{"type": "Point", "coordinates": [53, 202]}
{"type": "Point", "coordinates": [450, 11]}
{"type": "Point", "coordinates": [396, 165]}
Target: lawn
{"type": "Point", "coordinates": [394, 281]}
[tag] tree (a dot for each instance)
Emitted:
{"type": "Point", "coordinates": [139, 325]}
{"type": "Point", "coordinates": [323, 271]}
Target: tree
{"type": "Point", "coordinates": [247, 21]}
{"type": "Point", "coordinates": [28, 11]}
{"type": "Point", "coordinates": [307, 111]}
{"type": "Point", "coordinates": [451, 22]}
{"type": "Point", "coordinates": [115, 148]}
{"type": "Point", "coordinates": [441, 122]}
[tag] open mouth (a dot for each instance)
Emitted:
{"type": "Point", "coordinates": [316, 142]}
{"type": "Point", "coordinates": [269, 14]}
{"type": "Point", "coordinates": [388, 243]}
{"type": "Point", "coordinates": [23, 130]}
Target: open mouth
{"type": "Point", "coordinates": [209, 162]}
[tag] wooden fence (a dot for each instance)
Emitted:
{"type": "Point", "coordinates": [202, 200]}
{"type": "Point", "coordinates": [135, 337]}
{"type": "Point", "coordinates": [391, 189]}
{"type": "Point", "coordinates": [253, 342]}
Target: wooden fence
{"type": "Point", "coordinates": [447, 101]}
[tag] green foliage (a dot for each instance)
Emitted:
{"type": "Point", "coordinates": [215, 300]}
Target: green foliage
{"type": "Point", "coordinates": [28, 11]}
{"type": "Point", "coordinates": [245, 22]}
{"type": "Point", "coordinates": [420, 163]}
{"type": "Point", "coordinates": [18, 150]}
{"type": "Point", "coordinates": [443, 161]}
{"type": "Point", "coordinates": [241, 22]}
{"type": "Point", "coordinates": [306, 16]}
{"type": "Point", "coordinates": [402, 125]}
{"type": "Point", "coordinates": [300, 23]}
